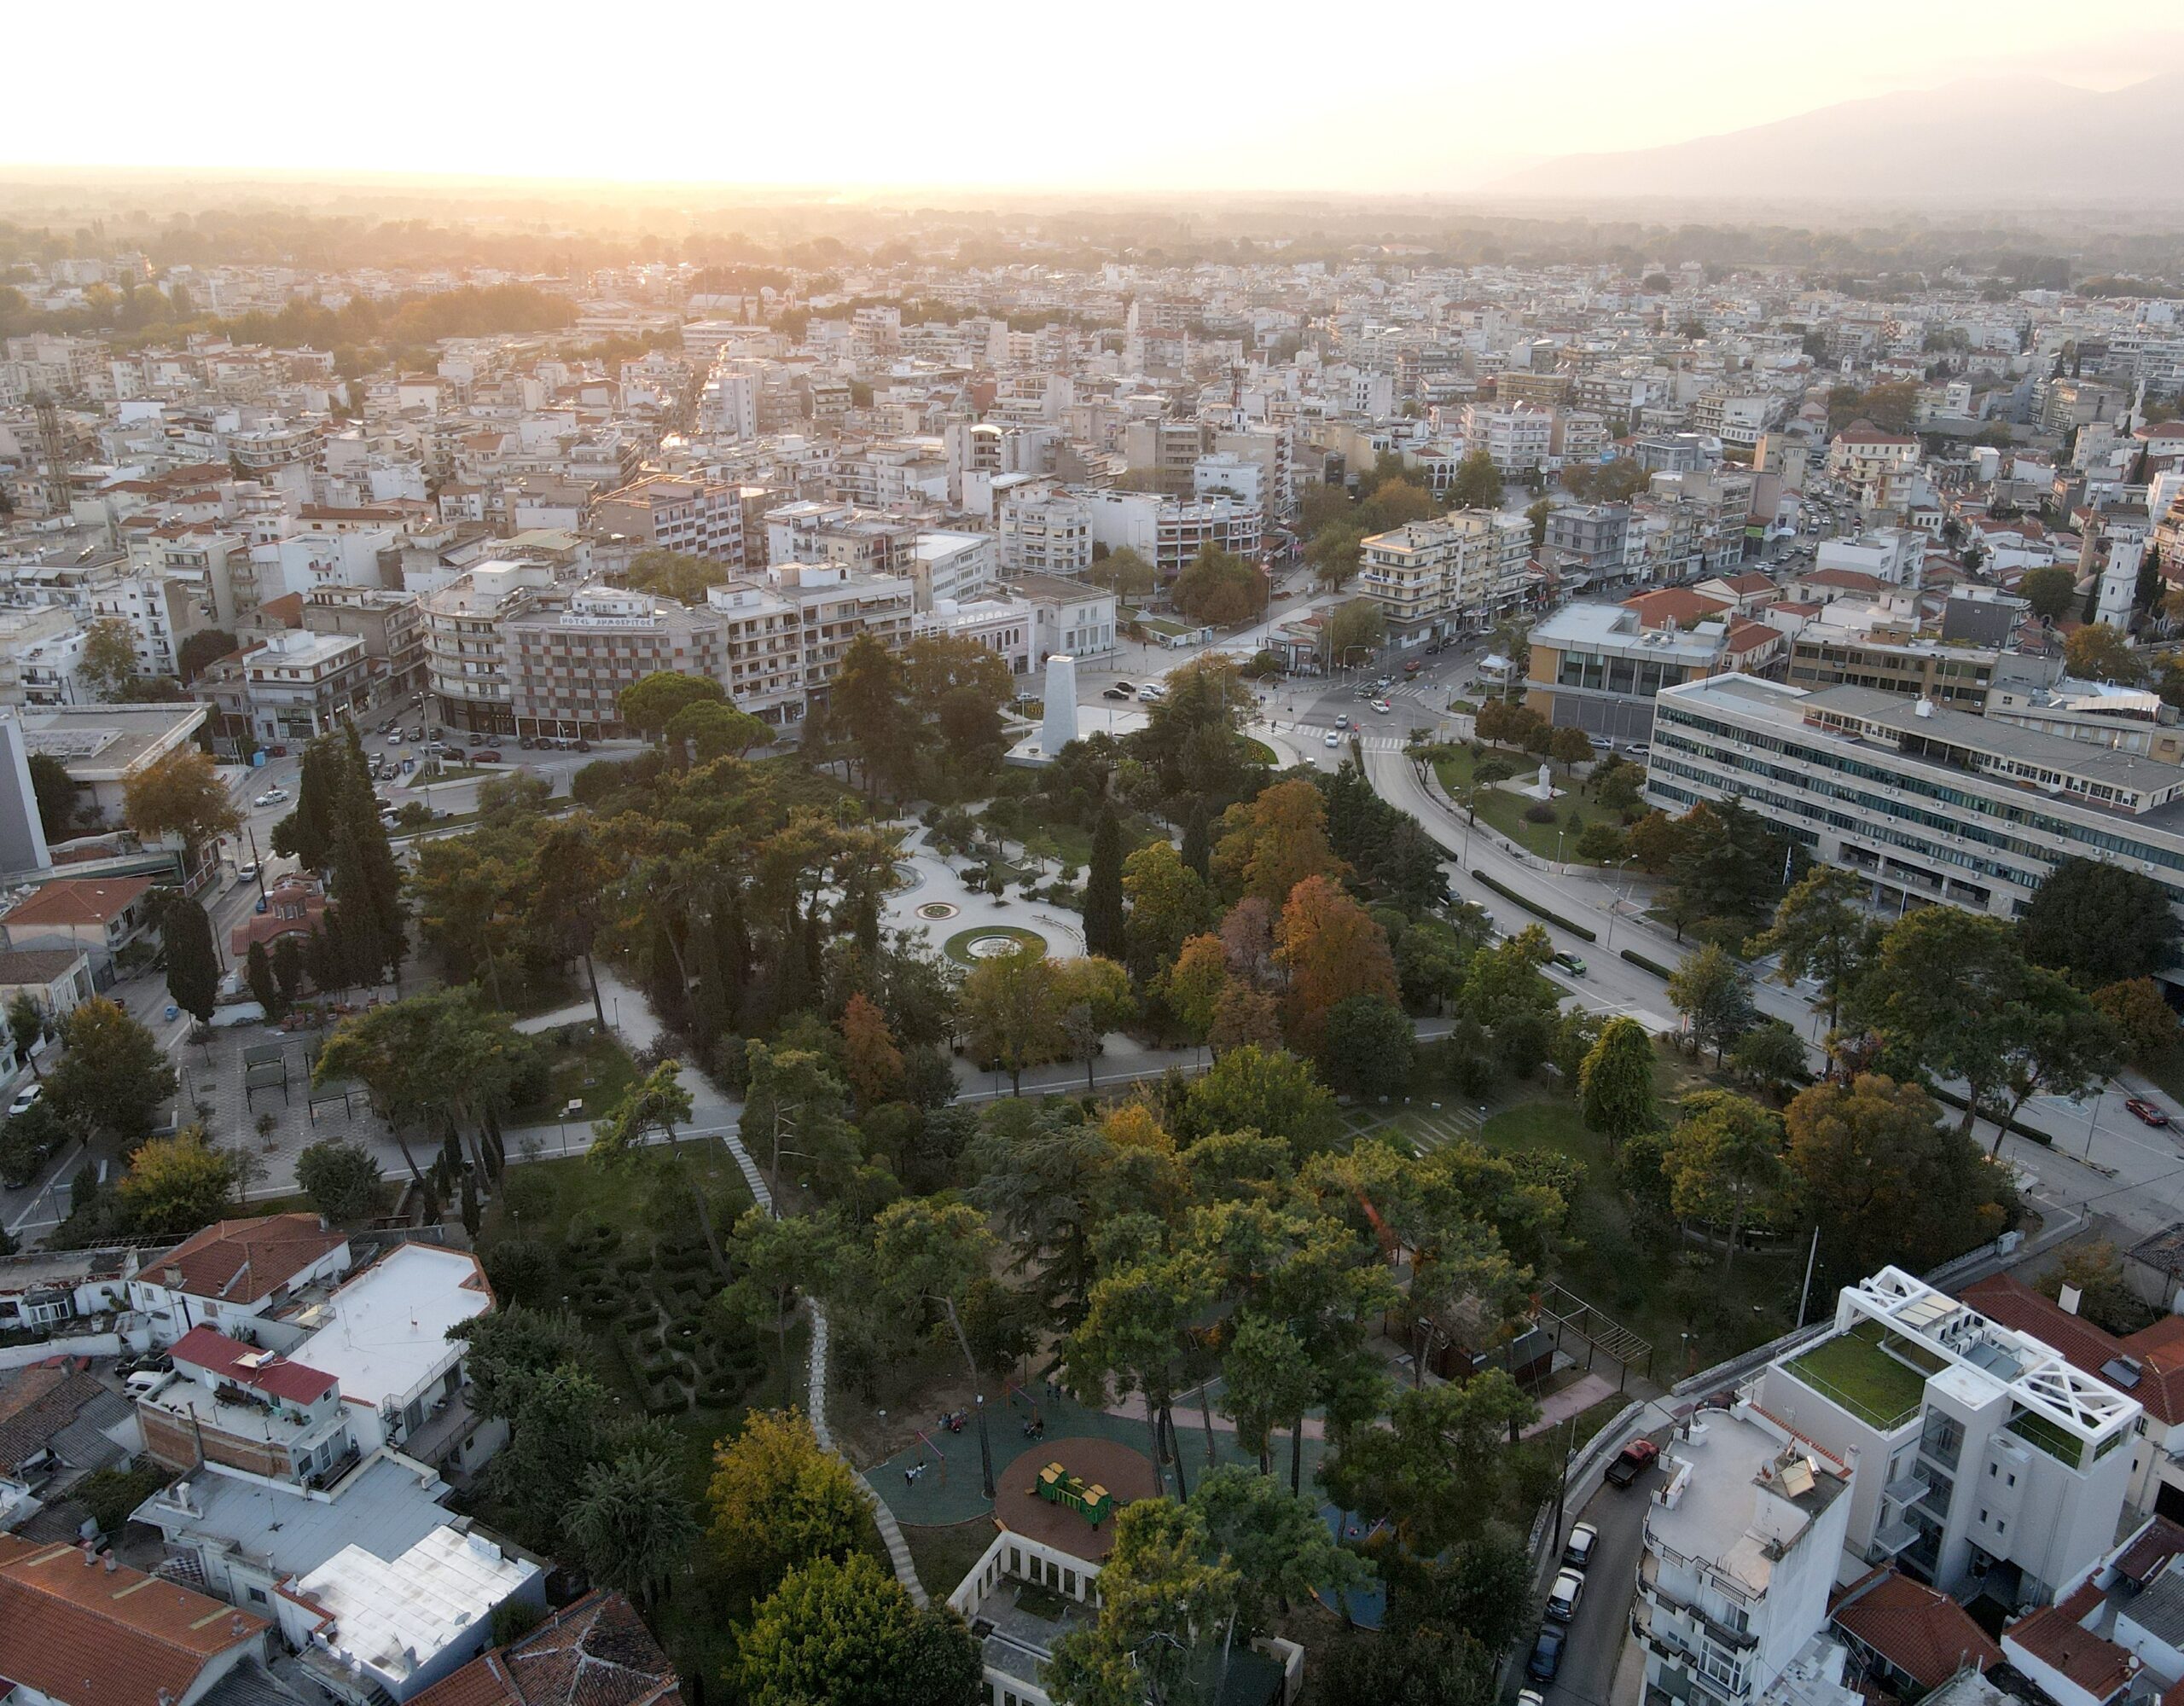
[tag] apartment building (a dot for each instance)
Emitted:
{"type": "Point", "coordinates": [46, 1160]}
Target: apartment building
{"type": "Point", "coordinates": [1877, 466]}
{"type": "Point", "coordinates": [1981, 1451]}
{"type": "Point", "coordinates": [1518, 438]}
{"type": "Point", "coordinates": [955, 567]}
{"type": "Point", "coordinates": [1589, 544]}
{"type": "Point", "coordinates": [391, 625]}
{"type": "Point", "coordinates": [466, 658]}
{"type": "Point", "coordinates": [1740, 1549]}
{"type": "Point", "coordinates": [1737, 419]}
{"type": "Point", "coordinates": [1928, 804]}
{"type": "Point", "coordinates": [295, 685]}
{"type": "Point", "coordinates": [1168, 532]}
{"type": "Point", "coordinates": [762, 650]}
{"type": "Point", "coordinates": [1957, 678]}
{"type": "Point", "coordinates": [834, 605]}
{"type": "Point", "coordinates": [697, 517]}
{"type": "Point", "coordinates": [569, 658]}
{"type": "Point", "coordinates": [1435, 579]}
{"type": "Point", "coordinates": [1041, 531]}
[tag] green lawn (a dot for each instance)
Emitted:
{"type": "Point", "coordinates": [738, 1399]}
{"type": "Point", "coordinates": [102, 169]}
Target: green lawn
{"type": "Point", "coordinates": [1505, 811]}
{"type": "Point", "coordinates": [1643, 1279]}
{"type": "Point", "coordinates": [958, 946]}
{"type": "Point", "coordinates": [944, 1557]}
{"type": "Point", "coordinates": [1853, 1369]}
{"type": "Point", "coordinates": [597, 1072]}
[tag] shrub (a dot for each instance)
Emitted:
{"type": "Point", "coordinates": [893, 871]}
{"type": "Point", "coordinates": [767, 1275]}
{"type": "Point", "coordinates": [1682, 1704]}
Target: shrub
{"type": "Point", "coordinates": [518, 1269]}
{"type": "Point", "coordinates": [1536, 909]}
{"type": "Point", "coordinates": [1645, 965]}
{"type": "Point", "coordinates": [1539, 811]}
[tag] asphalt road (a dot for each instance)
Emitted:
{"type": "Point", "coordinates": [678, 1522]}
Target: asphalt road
{"type": "Point", "coordinates": [1602, 1625]}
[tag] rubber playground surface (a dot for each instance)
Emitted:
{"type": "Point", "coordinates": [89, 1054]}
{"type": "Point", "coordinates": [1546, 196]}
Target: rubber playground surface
{"type": "Point", "coordinates": [946, 1489]}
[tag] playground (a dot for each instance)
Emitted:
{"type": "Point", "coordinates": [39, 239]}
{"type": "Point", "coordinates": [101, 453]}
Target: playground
{"type": "Point", "coordinates": [1056, 1510]}
{"type": "Point", "coordinates": [934, 1481]}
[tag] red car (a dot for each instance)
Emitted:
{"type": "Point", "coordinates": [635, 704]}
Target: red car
{"type": "Point", "coordinates": [2146, 1112]}
{"type": "Point", "coordinates": [1636, 1458]}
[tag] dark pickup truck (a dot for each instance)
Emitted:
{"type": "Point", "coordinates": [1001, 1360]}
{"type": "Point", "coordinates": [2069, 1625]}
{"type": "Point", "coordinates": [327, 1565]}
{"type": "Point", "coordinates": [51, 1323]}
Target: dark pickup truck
{"type": "Point", "coordinates": [1635, 1458]}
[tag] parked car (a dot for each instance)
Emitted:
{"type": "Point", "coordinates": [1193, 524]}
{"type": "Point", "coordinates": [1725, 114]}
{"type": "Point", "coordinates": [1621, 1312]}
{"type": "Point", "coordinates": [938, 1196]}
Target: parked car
{"type": "Point", "coordinates": [145, 1380]}
{"type": "Point", "coordinates": [1152, 690]}
{"type": "Point", "coordinates": [476, 739]}
{"type": "Point", "coordinates": [1562, 1597]}
{"type": "Point", "coordinates": [1633, 1461]}
{"type": "Point", "coordinates": [1584, 1538]}
{"type": "Point", "coordinates": [487, 755]}
{"type": "Point", "coordinates": [1638, 750]}
{"type": "Point", "coordinates": [583, 744]}
{"type": "Point", "coordinates": [1545, 1656]}
{"type": "Point", "coordinates": [1568, 963]}
{"type": "Point", "coordinates": [1124, 688]}
{"type": "Point", "coordinates": [248, 871]}
{"type": "Point", "coordinates": [26, 1098]}
{"type": "Point", "coordinates": [2146, 1112]}
{"type": "Point", "coordinates": [1112, 693]}
{"type": "Point", "coordinates": [528, 743]}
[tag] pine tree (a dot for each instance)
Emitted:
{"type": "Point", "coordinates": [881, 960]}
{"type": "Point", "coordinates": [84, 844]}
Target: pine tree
{"type": "Point", "coordinates": [193, 961]}
{"type": "Point", "coordinates": [1104, 932]}
{"type": "Point", "coordinates": [1198, 841]}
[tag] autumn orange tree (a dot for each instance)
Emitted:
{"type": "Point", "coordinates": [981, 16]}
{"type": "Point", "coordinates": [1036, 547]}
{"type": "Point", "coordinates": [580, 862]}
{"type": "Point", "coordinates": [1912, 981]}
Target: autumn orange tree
{"type": "Point", "coordinates": [1332, 949]}
{"type": "Point", "coordinates": [1271, 843]}
{"type": "Point", "coordinates": [870, 1060]}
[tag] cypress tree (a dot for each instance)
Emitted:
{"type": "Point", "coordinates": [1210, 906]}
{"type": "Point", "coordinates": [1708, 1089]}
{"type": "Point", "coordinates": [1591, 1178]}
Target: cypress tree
{"type": "Point", "coordinates": [258, 972]}
{"type": "Point", "coordinates": [193, 961]}
{"type": "Point", "coordinates": [2092, 601]}
{"type": "Point", "coordinates": [1198, 841]}
{"type": "Point", "coordinates": [288, 968]}
{"type": "Point", "coordinates": [1103, 891]}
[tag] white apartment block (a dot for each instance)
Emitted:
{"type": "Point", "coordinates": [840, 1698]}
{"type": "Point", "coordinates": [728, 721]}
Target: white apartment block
{"type": "Point", "coordinates": [1980, 1451]}
{"type": "Point", "coordinates": [1926, 804]}
{"type": "Point", "coordinates": [1517, 437]}
{"type": "Point", "coordinates": [952, 567]}
{"type": "Point", "coordinates": [1742, 1545]}
{"type": "Point", "coordinates": [466, 653]}
{"type": "Point", "coordinates": [1043, 532]}
{"type": "Point", "coordinates": [1168, 532]}
{"type": "Point", "coordinates": [1456, 575]}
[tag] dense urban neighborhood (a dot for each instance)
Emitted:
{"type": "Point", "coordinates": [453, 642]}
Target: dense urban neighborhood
{"type": "Point", "coordinates": [848, 953]}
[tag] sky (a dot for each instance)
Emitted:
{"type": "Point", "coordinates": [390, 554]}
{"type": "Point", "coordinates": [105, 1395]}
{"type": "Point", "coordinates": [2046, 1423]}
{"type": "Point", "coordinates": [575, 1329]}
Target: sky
{"type": "Point", "coordinates": [1131, 96]}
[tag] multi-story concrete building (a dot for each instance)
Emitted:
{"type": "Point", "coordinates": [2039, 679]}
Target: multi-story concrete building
{"type": "Point", "coordinates": [697, 517]}
{"type": "Point", "coordinates": [1168, 532]}
{"type": "Point", "coordinates": [466, 658]}
{"type": "Point", "coordinates": [391, 626]}
{"type": "Point", "coordinates": [569, 659]}
{"type": "Point", "coordinates": [1456, 575]}
{"type": "Point", "coordinates": [1928, 804]}
{"type": "Point", "coordinates": [1877, 466]}
{"type": "Point", "coordinates": [300, 684]}
{"type": "Point", "coordinates": [1516, 437]}
{"type": "Point", "coordinates": [1588, 544]}
{"type": "Point", "coordinates": [1599, 667]}
{"type": "Point", "coordinates": [955, 567]}
{"type": "Point", "coordinates": [1041, 531]}
{"type": "Point", "coordinates": [1740, 1550]}
{"type": "Point", "coordinates": [1980, 1450]}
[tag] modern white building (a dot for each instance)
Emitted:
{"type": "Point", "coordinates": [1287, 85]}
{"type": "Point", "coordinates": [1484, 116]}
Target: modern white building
{"type": "Point", "coordinates": [1981, 1452]}
{"type": "Point", "coordinates": [1928, 804]}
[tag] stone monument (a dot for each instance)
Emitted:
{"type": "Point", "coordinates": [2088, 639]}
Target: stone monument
{"type": "Point", "coordinates": [1059, 726]}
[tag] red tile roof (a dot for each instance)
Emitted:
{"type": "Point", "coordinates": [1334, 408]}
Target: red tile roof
{"type": "Point", "coordinates": [595, 1652]}
{"type": "Point", "coordinates": [2159, 1350]}
{"type": "Point", "coordinates": [1679, 604]}
{"type": "Point", "coordinates": [260, 1371]}
{"type": "Point", "coordinates": [2141, 1561]}
{"type": "Point", "coordinates": [1925, 1634]}
{"type": "Point", "coordinates": [2056, 1637]}
{"type": "Point", "coordinates": [90, 1636]}
{"type": "Point", "coordinates": [80, 900]}
{"type": "Point", "coordinates": [240, 1262]}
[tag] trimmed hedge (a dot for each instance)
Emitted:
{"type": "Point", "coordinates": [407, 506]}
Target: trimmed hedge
{"type": "Point", "coordinates": [1536, 909]}
{"type": "Point", "coordinates": [1645, 965]}
{"type": "Point", "coordinates": [2018, 1127]}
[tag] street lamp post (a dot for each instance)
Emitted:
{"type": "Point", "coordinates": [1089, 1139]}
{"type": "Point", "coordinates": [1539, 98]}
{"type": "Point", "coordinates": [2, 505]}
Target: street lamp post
{"type": "Point", "coordinates": [978, 1398]}
{"type": "Point", "coordinates": [1615, 900]}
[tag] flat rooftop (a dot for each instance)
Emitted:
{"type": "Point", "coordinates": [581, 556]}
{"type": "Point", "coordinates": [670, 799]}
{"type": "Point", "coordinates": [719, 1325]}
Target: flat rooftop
{"type": "Point", "coordinates": [384, 1333]}
{"type": "Point", "coordinates": [1715, 1515]}
{"type": "Point", "coordinates": [1877, 1383]}
{"type": "Point", "coordinates": [385, 1506]}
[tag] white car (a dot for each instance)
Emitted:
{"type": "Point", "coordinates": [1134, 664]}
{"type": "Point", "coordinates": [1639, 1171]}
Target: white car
{"type": "Point", "coordinates": [271, 797]}
{"type": "Point", "coordinates": [1152, 690]}
{"type": "Point", "coordinates": [1578, 1554]}
{"type": "Point", "coordinates": [26, 1099]}
{"type": "Point", "coordinates": [1334, 739]}
{"type": "Point", "coordinates": [1562, 1597]}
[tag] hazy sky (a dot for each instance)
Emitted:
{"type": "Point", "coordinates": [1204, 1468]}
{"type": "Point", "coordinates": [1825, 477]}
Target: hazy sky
{"type": "Point", "coordinates": [1396, 96]}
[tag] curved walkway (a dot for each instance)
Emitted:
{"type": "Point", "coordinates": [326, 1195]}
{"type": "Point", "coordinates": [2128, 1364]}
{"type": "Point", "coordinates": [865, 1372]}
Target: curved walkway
{"type": "Point", "coordinates": [890, 1533]}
